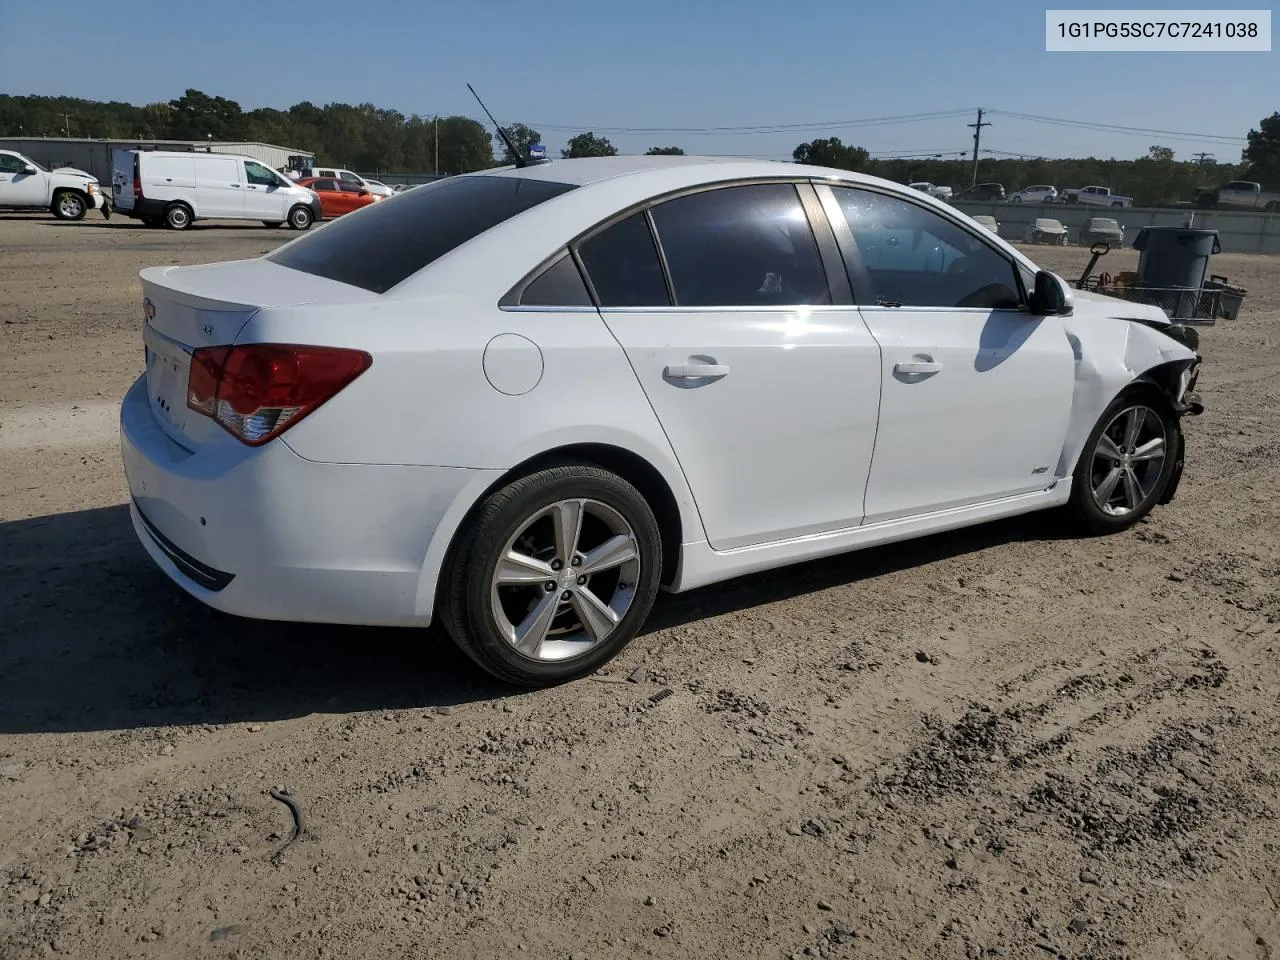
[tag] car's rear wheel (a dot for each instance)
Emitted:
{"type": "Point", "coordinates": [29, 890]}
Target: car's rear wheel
{"type": "Point", "coordinates": [300, 217]}
{"type": "Point", "coordinates": [177, 216]}
{"type": "Point", "coordinates": [69, 205]}
{"type": "Point", "coordinates": [553, 576]}
{"type": "Point", "coordinates": [1127, 462]}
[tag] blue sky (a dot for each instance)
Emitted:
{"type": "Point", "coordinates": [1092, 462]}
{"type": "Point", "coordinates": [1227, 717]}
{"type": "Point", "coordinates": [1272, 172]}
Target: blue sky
{"type": "Point", "coordinates": [571, 65]}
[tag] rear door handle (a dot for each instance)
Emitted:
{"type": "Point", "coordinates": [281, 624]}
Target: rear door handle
{"type": "Point", "coordinates": [694, 371]}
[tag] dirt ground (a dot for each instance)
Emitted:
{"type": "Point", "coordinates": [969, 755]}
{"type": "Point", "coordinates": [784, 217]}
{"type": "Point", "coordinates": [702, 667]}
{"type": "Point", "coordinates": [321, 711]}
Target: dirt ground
{"type": "Point", "coordinates": [995, 743]}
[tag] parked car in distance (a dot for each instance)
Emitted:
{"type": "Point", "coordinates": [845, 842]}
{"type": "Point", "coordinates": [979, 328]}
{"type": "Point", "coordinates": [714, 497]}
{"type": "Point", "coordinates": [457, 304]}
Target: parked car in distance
{"type": "Point", "coordinates": [982, 192]}
{"type": "Point", "coordinates": [65, 192]}
{"type": "Point", "coordinates": [1096, 197]}
{"type": "Point", "coordinates": [932, 189]}
{"type": "Point", "coordinates": [1038, 193]}
{"type": "Point", "coordinates": [1045, 230]}
{"type": "Point", "coordinates": [338, 196]}
{"type": "Point", "coordinates": [1102, 229]}
{"type": "Point", "coordinates": [1239, 195]}
{"type": "Point", "coordinates": [988, 222]}
{"type": "Point", "coordinates": [337, 173]}
{"type": "Point", "coordinates": [513, 403]}
{"type": "Point", "coordinates": [175, 188]}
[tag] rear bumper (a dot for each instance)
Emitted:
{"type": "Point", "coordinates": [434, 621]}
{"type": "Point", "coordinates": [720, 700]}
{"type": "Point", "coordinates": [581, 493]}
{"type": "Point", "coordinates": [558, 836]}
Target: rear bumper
{"type": "Point", "coordinates": [263, 533]}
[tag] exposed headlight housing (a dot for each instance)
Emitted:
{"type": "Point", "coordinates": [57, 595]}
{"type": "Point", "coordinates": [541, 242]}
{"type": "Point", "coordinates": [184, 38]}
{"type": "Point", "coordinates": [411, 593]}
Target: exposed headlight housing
{"type": "Point", "coordinates": [1187, 379]}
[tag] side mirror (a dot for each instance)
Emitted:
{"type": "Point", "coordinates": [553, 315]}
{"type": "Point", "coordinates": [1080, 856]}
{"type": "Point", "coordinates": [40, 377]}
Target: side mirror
{"type": "Point", "coordinates": [28, 169]}
{"type": "Point", "coordinates": [1051, 296]}
{"type": "Point", "coordinates": [364, 193]}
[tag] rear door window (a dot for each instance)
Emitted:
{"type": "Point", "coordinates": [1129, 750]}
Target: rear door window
{"type": "Point", "coordinates": [741, 246]}
{"type": "Point", "coordinates": [390, 242]}
{"type": "Point", "coordinates": [622, 263]}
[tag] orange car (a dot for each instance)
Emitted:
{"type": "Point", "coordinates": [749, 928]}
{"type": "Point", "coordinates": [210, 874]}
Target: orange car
{"type": "Point", "coordinates": [338, 196]}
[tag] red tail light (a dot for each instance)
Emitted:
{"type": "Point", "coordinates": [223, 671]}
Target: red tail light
{"type": "Point", "coordinates": [137, 180]}
{"type": "Point", "coordinates": [258, 391]}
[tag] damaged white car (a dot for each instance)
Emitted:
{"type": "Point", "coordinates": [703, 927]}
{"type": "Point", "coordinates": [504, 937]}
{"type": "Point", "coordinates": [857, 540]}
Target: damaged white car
{"type": "Point", "coordinates": [522, 401]}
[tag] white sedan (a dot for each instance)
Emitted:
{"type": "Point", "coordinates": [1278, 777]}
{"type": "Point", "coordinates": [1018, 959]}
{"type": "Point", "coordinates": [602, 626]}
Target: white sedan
{"type": "Point", "coordinates": [520, 402]}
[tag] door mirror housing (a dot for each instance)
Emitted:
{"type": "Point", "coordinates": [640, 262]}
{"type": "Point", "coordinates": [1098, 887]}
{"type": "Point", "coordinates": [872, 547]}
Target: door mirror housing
{"type": "Point", "coordinates": [28, 169]}
{"type": "Point", "coordinates": [1051, 296]}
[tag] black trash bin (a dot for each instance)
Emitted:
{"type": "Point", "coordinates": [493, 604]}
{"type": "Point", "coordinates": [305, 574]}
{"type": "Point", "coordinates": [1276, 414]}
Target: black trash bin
{"type": "Point", "coordinates": [1172, 266]}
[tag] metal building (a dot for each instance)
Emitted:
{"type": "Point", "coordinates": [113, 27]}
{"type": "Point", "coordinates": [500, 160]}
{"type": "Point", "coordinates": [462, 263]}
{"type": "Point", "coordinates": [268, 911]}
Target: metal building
{"type": "Point", "coordinates": [94, 156]}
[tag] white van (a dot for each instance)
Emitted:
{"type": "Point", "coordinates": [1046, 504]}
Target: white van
{"type": "Point", "coordinates": [176, 188]}
{"type": "Point", "coordinates": [336, 173]}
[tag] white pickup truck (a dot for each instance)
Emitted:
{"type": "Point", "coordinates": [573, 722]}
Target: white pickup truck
{"type": "Point", "coordinates": [67, 193]}
{"type": "Point", "coordinates": [1095, 197]}
{"type": "Point", "coordinates": [1239, 195]}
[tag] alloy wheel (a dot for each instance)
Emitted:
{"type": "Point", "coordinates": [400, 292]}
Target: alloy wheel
{"type": "Point", "coordinates": [565, 579]}
{"type": "Point", "coordinates": [1128, 460]}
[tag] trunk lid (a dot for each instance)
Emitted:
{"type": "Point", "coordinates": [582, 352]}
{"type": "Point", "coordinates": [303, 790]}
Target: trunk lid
{"type": "Point", "coordinates": [185, 308]}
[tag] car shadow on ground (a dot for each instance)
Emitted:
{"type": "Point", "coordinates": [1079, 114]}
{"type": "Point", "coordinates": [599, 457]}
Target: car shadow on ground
{"type": "Point", "coordinates": [94, 637]}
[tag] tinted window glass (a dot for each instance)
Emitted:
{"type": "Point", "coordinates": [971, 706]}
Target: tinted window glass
{"type": "Point", "coordinates": [322, 185]}
{"type": "Point", "coordinates": [560, 285]}
{"type": "Point", "coordinates": [916, 258]}
{"type": "Point", "coordinates": [623, 265]}
{"type": "Point", "coordinates": [391, 241]}
{"type": "Point", "coordinates": [10, 164]}
{"type": "Point", "coordinates": [741, 246]}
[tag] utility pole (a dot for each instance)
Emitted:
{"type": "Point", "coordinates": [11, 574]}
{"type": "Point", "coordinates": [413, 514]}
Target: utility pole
{"type": "Point", "coordinates": [1203, 158]}
{"type": "Point", "coordinates": [977, 137]}
{"type": "Point", "coordinates": [437, 139]}
{"type": "Point", "coordinates": [66, 124]}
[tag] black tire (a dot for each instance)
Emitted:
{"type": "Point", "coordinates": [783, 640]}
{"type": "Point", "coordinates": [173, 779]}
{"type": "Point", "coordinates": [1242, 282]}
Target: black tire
{"type": "Point", "coordinates": [178, 216]}
{"type": "Point", "coordinates": [467, 597]}
{"type": "Point", "coordinates": [69, 205]}
{"type": "Point", "coordinates": [1016, 200]}
{"type": "Point", "coordinates": [301, 218]}
{"type": "Point", "coordinates": [1272, 207]}
{"type": "Point", "coordinates": [1084, 506]}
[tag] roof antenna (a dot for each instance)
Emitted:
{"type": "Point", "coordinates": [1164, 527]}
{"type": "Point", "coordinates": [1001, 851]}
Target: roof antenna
{"type": "Point", "coordinates": [520, 161]}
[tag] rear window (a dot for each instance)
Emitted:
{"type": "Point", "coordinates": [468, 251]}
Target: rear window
{"type": "Point", "coordinates": [389, 241]}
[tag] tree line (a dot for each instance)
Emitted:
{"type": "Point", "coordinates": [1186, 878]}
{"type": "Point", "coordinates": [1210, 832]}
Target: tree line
{"type": "Point", "coordinates": [369, 138]}
{"type": "Point", "coordinates": [361, 136]}
{"type": "Point", "coordinates": [1157, 179]}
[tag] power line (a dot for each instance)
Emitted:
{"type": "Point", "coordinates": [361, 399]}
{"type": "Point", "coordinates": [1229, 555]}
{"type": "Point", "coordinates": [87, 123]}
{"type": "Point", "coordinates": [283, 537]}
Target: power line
{"type": "Point", "coordinates": [756, 129]}
{"type": "Point", "coordinates": [1115, 128]}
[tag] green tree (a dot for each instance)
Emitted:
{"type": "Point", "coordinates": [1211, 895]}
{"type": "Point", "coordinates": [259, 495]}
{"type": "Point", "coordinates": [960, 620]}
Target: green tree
{"type": "Point", "coordinates": [523, 137]}
{"type": "Point", "coordinates": [588, 145]}
{"type": "Point", "coordinates": [197, 115]}
{"type": "Point", "coordinates": [832, 153]}
{"type": "Point", "coordinates": [664, 152]}
{"type": "Point", "coordinates": [1263, 153]}
{"type": "Point", "coordinates": [1160, 154]}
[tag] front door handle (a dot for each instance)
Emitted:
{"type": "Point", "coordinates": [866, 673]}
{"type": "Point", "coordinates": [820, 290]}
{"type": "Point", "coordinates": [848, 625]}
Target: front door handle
{"type": "Point", "coordinates": [694, 371]}
{"type": "Point", "coordinates": [920, 365]}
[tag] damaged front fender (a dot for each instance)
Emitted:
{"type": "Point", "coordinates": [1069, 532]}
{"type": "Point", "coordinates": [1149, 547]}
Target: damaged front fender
{"type": "Point", "coordinates": [1112, 354]}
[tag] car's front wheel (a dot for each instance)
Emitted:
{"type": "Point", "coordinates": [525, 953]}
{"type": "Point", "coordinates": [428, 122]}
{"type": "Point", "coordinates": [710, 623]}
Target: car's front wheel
{"type": "Point", "coordinates": [553, 576]}
{"type": "Point", "coordinates": [69, 205]}
{"type": "Point", "coordinates": [1127, 462]}
{"type": "Point", "coordinates": [300, 218]}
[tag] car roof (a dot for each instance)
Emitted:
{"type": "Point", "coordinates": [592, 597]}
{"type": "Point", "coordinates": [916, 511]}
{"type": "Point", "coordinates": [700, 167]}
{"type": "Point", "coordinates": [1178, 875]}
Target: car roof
{"type": "Point", "coordinates": [608, 186]}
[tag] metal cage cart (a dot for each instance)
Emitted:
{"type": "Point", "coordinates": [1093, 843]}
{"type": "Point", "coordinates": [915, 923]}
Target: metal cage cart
{"type": "Point", "coordinates": [1173, 274]}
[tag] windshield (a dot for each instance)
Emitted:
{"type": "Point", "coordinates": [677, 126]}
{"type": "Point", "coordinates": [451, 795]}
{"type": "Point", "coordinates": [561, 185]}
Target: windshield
{"type": "Point", "coordinates": [388, 242]}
